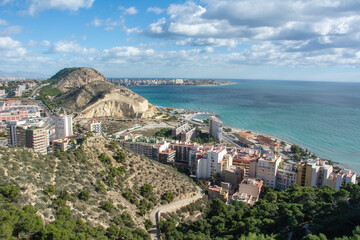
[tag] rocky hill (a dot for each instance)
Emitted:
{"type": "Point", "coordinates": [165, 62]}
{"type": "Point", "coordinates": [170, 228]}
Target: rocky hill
{"type": "Point", "coordinates": [98, 181]}
{"type": "Point", "coordinates": [69, 78]}
{"type": "Point", "coordinates": [86, 91]}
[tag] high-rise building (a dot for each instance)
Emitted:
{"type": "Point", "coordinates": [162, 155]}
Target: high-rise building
{"type": "Point", "coordinates": [215, 128]}
{"type": "Point", "coordinates": [266, 169]}
{"type": "Point", "coordinates": [313, 173]}
{"type": "Point", "coordinates": [28, 136]}
{"type": "Point", "coordinates": [36, 138]}
{"type": "Point", "coordinates": [63, 126]}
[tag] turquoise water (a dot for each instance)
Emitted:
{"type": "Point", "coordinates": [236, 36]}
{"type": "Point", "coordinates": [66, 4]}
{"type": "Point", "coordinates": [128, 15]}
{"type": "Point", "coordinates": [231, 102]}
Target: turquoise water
{"type": "Point", "coordinates": [322, 117]}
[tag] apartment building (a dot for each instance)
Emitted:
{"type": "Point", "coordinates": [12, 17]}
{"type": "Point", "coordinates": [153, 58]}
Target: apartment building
{"type": "Point", "coordinates": [208, 163]}
{"type": "Point", "coordinates": [343, 177]}
{"type": "Point", "coordinates": [286, 176]}
{"type": "Point", "coordinates": [313, 173]}
{"type": "Point", "coordinates": [95, 127]}
{"type": "Point", "coordinates": [184, 132]}
{"type": "Point", "coordinates": [36, 138]}
{"type": "Point", "coordinates": [28, 136]}
{"type": "Point", "coordinates": [215, 128]}
{"type": "Point", "coordinates": [266, 169]}
{"type": "Point", "coordinates": [249, 191]}
{"type": "Point", "coordinates": [63, 126]}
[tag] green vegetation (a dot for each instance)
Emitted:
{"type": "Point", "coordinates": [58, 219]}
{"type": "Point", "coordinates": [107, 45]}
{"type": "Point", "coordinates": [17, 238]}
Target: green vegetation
{"type": "Point", "coordinates": [164, 132]}
{"type": "Point", "coordinates": [148, 223]}
{"type": "Point", "coordinates": [24, 223]}
{"type": "Point", "coordinates": [168, 196]}
{"type": "Point", "coordinates": [50, 91]}
{"type": "Point", "coordinates": [84, 195]}
{"type": "Point", "coordinates": [104, 159]}
{"type": "Point", "coordinates": [107, 206]}
{"type": "Point", "coordinates": [299, 212]}
{"type": "Point", "coordinates": [300, 153]}
{"type": "Point", "coordinates": [172, 118]}
{"type": "Point", "coordinates": [44, 95]}
{"type": "Point", "coordinates": [120, 157]}
{"type": "Point", "coordinates": [146, 190]}
{"type": "Point", "coordinates": [203, 138]}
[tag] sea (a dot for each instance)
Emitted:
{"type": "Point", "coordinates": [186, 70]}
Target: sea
{"type": "Point", "coordinates": [323, 117]}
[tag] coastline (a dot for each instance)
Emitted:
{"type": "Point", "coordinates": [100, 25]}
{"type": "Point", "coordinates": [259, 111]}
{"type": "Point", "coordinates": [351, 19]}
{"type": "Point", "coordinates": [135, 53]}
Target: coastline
{"type": "Point", "coordinates": [180, 85]}
{"type": "Point", "coordinates": [195, 113]}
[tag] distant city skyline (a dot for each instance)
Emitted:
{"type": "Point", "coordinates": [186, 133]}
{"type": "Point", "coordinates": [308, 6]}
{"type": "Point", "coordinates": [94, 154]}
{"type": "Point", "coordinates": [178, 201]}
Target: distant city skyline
{"type": "Point", "coordinates": [217, 39]}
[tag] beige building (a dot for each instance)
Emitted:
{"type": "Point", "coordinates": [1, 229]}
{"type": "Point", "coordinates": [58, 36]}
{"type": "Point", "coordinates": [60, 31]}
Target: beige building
{"type": "Point", "coordinates": [36, 138]}
{"type": "Point", "coordinates": [215, 128]}
{"type": "Point", "coordinates": [266, 169]}
{"type": "Point", "coordinates": [95, 127]}
{"type": "Point", "coordinates": [249, 191]}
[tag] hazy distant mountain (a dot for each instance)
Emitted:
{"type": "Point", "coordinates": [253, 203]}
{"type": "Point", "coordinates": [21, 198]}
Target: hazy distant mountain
{"type": "Point", "coordinates": [22, 74]}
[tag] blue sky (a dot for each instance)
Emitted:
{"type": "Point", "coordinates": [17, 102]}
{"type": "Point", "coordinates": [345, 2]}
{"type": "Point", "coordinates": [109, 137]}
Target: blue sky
{"type": "Point", "coordinates": [257, 39]}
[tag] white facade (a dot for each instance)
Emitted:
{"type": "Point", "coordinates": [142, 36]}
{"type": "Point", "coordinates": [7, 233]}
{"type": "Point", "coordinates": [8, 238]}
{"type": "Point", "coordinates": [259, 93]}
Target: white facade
{"type": "Point", "coordinates": [343, 177]}
{"type": "Point", "coordinates": [208, 163]}
{"type": "Point", "coordinates": [320, 172]}
{"type": "Point", "coordinates": [63, 126]}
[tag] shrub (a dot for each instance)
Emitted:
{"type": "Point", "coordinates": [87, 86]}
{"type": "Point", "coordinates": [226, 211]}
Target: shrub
{"type": "Point", "coordinates": [107, 206]}
{"type": "Point", "coordinates": [84, 195]}
{"type": "Point", "coordinates": [9, 191]}
{"type": "Point", "coordinates": [146, 190]}
{"type": "Point", "coordinates": [148, 223]}
{"type": "Point", "coordinates": [168, 196]}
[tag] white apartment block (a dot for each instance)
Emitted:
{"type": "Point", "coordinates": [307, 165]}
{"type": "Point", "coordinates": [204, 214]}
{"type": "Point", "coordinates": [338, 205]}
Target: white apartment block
{"type": "Point", "coordinates": [208, 163]}
{"type": "Point", "coordinates": [343, 177]}
{"type": "Point", "coordinates": [320, 172]}
{"type": "Point", "coordinates": [267, 167]}
{"type": "Point", "coordinates": [63, 126]}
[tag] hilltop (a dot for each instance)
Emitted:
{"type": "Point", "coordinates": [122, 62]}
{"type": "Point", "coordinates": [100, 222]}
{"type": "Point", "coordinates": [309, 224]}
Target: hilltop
{"type": "Point", "coordinates": [88, 92]}
{"type": "Point", "coordinates": [99, 181]}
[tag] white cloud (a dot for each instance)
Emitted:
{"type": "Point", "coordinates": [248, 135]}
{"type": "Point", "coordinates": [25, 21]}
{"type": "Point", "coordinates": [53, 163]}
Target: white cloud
{"type": "Point", "coordinates": [274, 32]}
{"type": "Point", "coordinates": [108, 23]}
{"type": "Point", "coordinates": [132, 30]}
{"type": "Point", "coordinates": [72, 5]}
{"type": "Point", "coordinates": [31, 43]}
{"type": "Point", "coordinates": [3, 22]}
{"type": "Point", "coordinates": [45, 43]}
{"type": "Point", "coordinates": [155, 10]}
{"type": "Point", "coordinates": [96, 22]}
{"type": "Point", "coordinates": [70, 47]}
{"type": "Point", "coordinates": [129, 11]}
{"type": "Point", "coordinates": [11, 49]}
{"type": "Point", "coordinates": [11, 30]}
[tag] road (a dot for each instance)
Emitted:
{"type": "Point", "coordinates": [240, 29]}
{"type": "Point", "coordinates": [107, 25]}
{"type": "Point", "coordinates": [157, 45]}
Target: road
{"type": "Point", "coordinates": [154, 214]}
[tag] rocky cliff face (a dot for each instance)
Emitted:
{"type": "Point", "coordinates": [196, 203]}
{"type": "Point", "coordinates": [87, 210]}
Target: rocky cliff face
{"type": "Point", "coordinates": [88, 92]}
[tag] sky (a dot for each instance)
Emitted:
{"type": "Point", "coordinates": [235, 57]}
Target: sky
{"type": "Point", "coordinates": [234, 39]}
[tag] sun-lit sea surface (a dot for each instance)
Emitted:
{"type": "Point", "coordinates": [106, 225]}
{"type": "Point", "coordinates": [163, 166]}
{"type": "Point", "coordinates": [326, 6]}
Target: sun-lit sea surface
{"type": "Point", "coordinates": [323, 117]}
